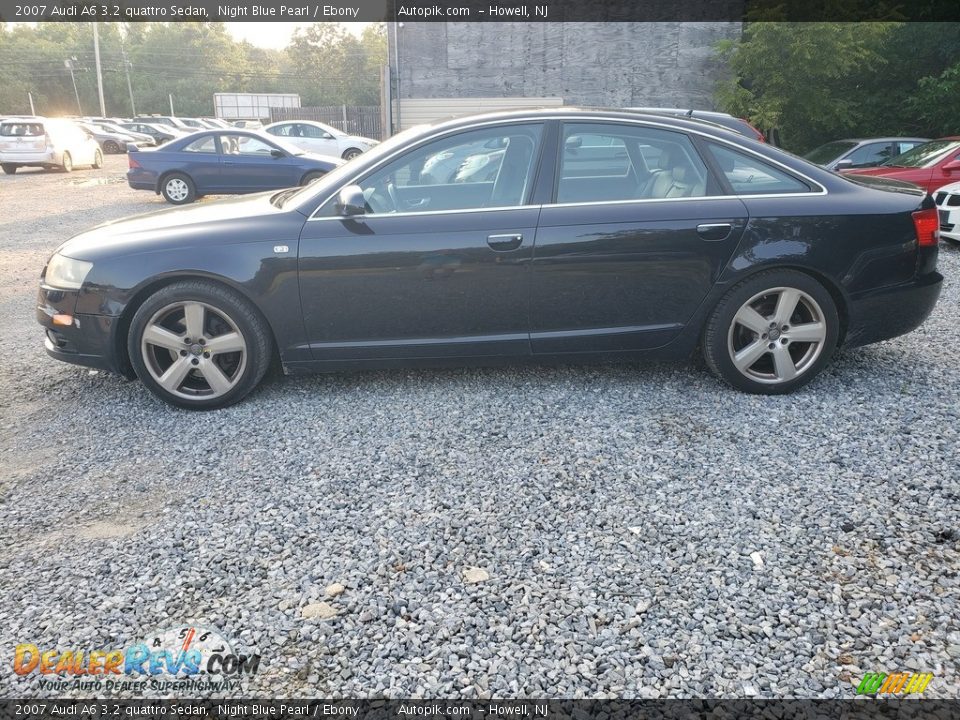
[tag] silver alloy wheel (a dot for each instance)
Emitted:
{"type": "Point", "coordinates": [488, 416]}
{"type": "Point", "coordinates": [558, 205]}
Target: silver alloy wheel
{"type": "Point", "coordinates": [777, 335]}
{"type": "Point", "coordinates": [351, 154]}
{"type": "Point", "coordinates": [177, 189]}
{"type": "Point", "coordinates": [194, 350]}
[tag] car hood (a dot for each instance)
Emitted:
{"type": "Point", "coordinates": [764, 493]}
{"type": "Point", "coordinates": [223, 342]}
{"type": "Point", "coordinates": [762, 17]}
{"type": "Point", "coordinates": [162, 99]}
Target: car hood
{"type": "Point", "coordinates": [882, 171]}
{"type": "Point", "coordinates": [361, 139]}
{"type": "Point", "coordinates": [183, 226]}
{"type": "Point", "coordinates": [317, 157]}
{"type": "Point", "coordinates": [885, 183]}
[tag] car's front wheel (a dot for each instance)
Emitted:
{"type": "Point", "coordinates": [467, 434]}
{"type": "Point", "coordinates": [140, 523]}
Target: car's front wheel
{"type": "Point", "coordinates": [9, 168]}
{"type": "Point", "coordinates": [772, 333]}
{"type": "Point", "coordinates": [97, 160]}
{"type": "Point", "coordinates": [311, 176]}
{"type": "Point", "coordinates": [199, 345]}
{"type": "Point", "coordinates": [178, 189]}
{"type": "Point", "coordinates": [351, 153]}
{"type": "Point", "coordinates": [110, 147]}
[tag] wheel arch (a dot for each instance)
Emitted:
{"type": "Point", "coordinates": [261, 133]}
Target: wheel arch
{"type": "Point", "coordinates": [140, 294]}
{"type": "Point", "coordinates": [829, 284]}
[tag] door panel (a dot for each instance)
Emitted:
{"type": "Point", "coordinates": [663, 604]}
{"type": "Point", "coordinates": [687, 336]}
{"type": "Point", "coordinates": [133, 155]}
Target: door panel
{"type": "Point", "coordinates": [626, 277]}
{"type": "Point", "coordinates": [416, 286]}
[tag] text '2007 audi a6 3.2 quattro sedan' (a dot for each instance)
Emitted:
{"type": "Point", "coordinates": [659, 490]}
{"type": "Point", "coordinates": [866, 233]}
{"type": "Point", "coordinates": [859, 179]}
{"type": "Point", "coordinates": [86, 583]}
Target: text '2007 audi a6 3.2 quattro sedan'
{"type": "Point", "coordinates": [575, 234]}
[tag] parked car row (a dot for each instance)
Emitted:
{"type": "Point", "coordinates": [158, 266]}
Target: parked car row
{"type": "Point", "coordinates": [46, 143]}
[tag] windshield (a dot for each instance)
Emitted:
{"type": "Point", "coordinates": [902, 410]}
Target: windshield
{"type": "Point", "coordinates": [337, 175]}
{"type": "Point", "coordinates": [832, 150]}
{"type": "Point", "coordinates": [923, 155]}
{"type": "Point", "coordinates": [282, 144]}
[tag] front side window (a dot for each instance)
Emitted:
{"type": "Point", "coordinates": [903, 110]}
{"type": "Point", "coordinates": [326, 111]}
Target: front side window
{"type": "Point", "coordinates": [491, 167]}
{"type": "Point", "coordinates": [244, 145]}
{"type": "Point", "coordinates": [610, 162]}
{"type": "Point", "coordinates": [749, 175]}
{"type": "Point", "coordinates": [872, 154]}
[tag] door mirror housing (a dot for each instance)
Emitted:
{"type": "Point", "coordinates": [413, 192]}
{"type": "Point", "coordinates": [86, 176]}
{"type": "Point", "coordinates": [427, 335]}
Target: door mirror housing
{"type": "Point", "coordinates": [350, 201]}
{"type": "Point", "coordinates": [953, 165]}
{"type": "Point", "coordinates": [326, 136]}
{"type": "Point", "coordinates": [843, 165]}
{"type": "Point", "coordinates": [277, 154]}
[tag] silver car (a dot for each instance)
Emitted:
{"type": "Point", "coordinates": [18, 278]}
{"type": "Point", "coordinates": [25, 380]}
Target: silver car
{"type": "Point", "coordinates": [46, 143]}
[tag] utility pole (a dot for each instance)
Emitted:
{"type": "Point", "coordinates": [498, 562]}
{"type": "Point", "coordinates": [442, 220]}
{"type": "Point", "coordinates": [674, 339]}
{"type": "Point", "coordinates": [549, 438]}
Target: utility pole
{"type": "Point", "coordinates": [69, 63]}
{"type": "Point", "coordinates": [96, 56]}
{"type": "Point", "coordinates": [172, 113]}
{"type": "Point", "coordinates": [32, 110]}
{"type": "Point", "coordinates": [126, 67]}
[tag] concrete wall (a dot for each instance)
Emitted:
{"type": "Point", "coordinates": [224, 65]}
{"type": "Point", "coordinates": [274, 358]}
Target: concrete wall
{"type": "Point", "coordinates": [598, 64]}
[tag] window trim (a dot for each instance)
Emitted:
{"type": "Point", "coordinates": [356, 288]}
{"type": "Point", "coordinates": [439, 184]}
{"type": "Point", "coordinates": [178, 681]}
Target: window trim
{"type": "Point", "coordinates": [817, 190]}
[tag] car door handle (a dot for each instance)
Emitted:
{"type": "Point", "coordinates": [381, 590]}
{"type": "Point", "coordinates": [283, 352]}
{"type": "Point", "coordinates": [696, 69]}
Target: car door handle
{"type": "Point", "coordinates": [507, 241]}
{"type": "Point", "coordinates": [714, 231]}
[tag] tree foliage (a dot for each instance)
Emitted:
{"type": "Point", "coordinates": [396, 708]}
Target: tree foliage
{"type": "Point", "coordinates": [191, 61]}
{"type": "Point", "coordinates": [816, 82]}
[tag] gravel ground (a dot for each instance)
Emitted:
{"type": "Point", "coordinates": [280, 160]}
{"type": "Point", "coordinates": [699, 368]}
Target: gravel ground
{"type": "Point", "coordinates": [626, 530]}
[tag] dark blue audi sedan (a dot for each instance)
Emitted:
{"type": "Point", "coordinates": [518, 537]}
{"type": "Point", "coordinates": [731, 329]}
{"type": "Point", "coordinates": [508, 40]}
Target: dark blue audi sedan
{"type": "Point", "coordinates": [223, 162]}
{"type": "Point", "coordinates": [565, 234]}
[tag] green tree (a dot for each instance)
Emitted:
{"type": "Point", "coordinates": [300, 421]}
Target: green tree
{"type": "Point", "coordinates": [798, 77]}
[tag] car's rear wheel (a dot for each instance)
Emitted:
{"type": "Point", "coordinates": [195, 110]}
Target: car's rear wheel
{"type": "Point", "coordinates": [199, 345]}
{"type": "Point", "coordinates": [98, 160]}
{"type": "Point", "coordinates": [772, 333]}
{"type": "Point", "coordinates": [178, 189]}
{"type": "Point", "coordinates": [67, 162]}
{"type": "Point", "coordinates": [351, 153]}
{"type": "Point", "coordinates": [9, 168]}
{"type": "Point", "coordinates": [110, 147]}
{"type": "Point", "coordinates": [311, 176]}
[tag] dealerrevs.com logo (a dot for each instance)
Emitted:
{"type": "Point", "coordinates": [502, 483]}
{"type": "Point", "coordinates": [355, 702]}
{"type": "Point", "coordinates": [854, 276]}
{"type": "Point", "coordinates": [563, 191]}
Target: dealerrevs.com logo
{"type": "Point", "coordinates": [187, 658]}
{"type": "Point", "coordinates": [894, 683]}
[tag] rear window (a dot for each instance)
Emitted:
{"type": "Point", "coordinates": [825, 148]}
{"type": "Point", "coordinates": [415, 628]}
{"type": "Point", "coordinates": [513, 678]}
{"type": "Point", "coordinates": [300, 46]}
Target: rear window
{"type": "Point", "coordinates": [21, 129]}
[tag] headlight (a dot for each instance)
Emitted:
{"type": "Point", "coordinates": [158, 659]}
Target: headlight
{"type": "Point", "coordinates": [66, 273]}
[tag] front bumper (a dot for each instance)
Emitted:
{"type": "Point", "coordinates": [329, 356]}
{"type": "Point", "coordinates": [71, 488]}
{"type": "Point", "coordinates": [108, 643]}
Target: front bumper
{"type": "Point", "coordinates": [949, 222]}
{"type": "Point", "coordinates": [891, 311]}
{"type": "Point", "coordinates": [88, 340]}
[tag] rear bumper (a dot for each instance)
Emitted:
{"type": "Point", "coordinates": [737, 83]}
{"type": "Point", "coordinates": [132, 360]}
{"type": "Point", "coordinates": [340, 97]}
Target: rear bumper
{"type": "Point", "coordinates": [41, 157]}
{"type": "Point", "coordinates": [140, 179]}
{"type": "Point", "coordinates": [892, 311]}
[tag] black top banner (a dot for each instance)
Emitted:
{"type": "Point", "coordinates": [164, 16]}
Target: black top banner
{"type": "Point", "coordinates": [273, 709]}
{"type": "Point", "coordinates": [479, 10]}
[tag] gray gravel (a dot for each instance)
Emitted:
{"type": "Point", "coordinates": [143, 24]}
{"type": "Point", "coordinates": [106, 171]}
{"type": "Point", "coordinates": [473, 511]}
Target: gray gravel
{"type": "Point", "coordinates": [626, 530]}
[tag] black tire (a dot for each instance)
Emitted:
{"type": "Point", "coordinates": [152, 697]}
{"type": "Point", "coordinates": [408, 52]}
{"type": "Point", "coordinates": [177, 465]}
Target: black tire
{"type": "Point", "coordinates": [219, 303]}
{"type": "Point", "coordinates": [726, 336]}
{"type": "Point", "coordinates": [351, 153]}
{"type": "Point", "coordinates": [311, 176]}
{"type": "Point", "coordinates": [175, 193]}
{"type": "Point", "coordinates": [110, 147]}
{"type": "Point", "coordinates": [66, 164]}
{"type": "Point", "coordinates": [97, 160]}
{"type": "Point", "coordinates": [9, 168]}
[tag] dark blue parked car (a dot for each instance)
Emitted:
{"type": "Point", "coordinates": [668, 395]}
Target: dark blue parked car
{"type": "Point", "coordinates": [223, 162]}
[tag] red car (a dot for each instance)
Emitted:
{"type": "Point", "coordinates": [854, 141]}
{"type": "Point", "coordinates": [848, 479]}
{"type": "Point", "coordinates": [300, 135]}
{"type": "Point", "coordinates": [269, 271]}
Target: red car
{"type": "Point", "coordinates": [931, 165]}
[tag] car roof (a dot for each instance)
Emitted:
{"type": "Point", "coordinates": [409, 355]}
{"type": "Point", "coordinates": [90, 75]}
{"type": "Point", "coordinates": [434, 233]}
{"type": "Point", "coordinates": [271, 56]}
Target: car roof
{"type": "Point", "coordinates": [589, 114]}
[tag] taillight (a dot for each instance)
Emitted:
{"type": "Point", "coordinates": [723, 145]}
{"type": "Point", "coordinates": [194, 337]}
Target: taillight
{"type": "Point", "coordinates": [47, 140]}
{"type": "Point", "coordinates": [927, 224]}
{"type": "Point", "coordinates": [759, 134]}
{"type": "Point", "coordinates": [131, 161]}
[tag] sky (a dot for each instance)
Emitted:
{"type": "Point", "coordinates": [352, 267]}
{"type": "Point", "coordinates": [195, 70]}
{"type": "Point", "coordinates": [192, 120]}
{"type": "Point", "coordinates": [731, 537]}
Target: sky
{"type": "Point", "coordinates": [276, 35]}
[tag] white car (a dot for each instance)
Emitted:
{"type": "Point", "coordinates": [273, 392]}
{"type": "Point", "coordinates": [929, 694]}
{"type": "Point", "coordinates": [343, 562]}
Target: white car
{"type": "Point", "coordinates": [316, 137]}
{"type": "Point", "coordinates": [46, 143]}
{"type": "Point", "coordinates": [948, 205]}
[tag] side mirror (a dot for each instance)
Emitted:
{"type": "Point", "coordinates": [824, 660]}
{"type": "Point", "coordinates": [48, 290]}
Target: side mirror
{"type": "Point", "coordinates": [350, 201]}
{"type": "Point", "coordinates": [952, 166]}
{"type": "Point", "coordinates": [843, 165]}
{"type": "Point", "coordinates": [573, 142]}
{"type": "Point", "coordinates": [327, 136]}
{"type": "Point", "coordinates": [277, 154]}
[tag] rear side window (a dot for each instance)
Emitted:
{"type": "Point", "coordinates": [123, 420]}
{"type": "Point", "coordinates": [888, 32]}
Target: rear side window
{"type": "Point", "coordinates": [202, 145]}
{"type": "Point", "coordinates": [615, 162]}
{"type": "Point", "coordinates": [748, 175]}
{"type": "Point", "coordinates": [21, 129]}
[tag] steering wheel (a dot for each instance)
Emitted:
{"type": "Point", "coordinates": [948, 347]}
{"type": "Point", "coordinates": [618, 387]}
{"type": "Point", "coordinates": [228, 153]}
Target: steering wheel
{"type": "Point", "coordinates": [392, 192]}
